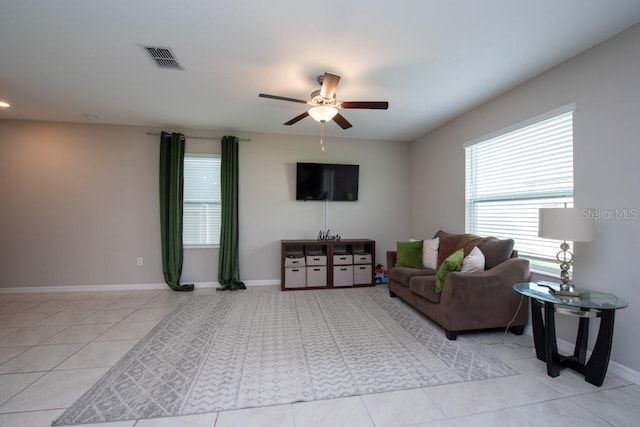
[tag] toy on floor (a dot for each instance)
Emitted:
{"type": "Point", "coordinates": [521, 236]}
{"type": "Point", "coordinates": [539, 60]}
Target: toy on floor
{"type": "Point", "coordinates": [380, 275]}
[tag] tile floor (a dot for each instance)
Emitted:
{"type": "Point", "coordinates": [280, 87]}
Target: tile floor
{"type": "Point", "coordinates": [54, 346]}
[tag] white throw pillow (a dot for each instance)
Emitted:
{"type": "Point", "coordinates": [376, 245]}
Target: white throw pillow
{"type": "Point", "coordinates": [473, 262]}
{"type": "Point", "coordinates": [430, 252]}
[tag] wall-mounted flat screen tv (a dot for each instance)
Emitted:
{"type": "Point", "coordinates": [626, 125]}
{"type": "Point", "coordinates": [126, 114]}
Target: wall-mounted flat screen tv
{"type": "Point", "coordinates": [325, 181]}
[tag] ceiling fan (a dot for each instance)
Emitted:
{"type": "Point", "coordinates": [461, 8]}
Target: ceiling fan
{"type": "Point", "coordinates": [324, 106]}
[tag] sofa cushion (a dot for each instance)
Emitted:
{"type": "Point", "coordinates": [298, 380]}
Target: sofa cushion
{"type": "Point", "coordinates": [440, 234]}
{"type": "Point", "coordinates": [409, 254]}
{"type": "Point", "coordinates": [403, 275]}
{"type": "Point", "coordinates": [425, 286]}
{"type": "Point", "coordinates": [430, 252]}
{"type": "Point", "coordinates": [473, 262]}
{"type": "Point", "coordinates": [452, 263]}
{"type": "Point", "coordinates": [495, 251]}
{"type": "Point", "coordinates": [452, 242]}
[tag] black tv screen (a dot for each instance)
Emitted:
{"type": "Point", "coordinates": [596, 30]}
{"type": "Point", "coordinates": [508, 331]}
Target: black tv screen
{"type": "Point", "coordinates": [324, 181]}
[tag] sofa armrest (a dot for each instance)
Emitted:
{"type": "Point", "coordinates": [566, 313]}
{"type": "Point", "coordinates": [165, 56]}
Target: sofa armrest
{"type": "Point", "coordinates": [391, 259]}
{"type": "Point", "coordinates": [486, 297]}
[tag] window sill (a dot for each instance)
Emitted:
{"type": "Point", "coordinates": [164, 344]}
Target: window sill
{"type": "Point", "coordinates": [201, 247]}
{"type": "Point", "coordinates": [544, 275]}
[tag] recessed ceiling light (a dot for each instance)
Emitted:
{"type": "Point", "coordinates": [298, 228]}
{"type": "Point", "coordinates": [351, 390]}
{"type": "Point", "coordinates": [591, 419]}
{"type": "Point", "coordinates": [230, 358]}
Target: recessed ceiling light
{"type": "Point", "coordinates": [89, 116]}
{"type": "Point", "coordinates": [4, 104]}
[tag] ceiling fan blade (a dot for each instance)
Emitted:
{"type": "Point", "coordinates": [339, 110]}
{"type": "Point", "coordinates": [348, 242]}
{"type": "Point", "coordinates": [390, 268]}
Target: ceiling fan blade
{"type": "Point", "coordinates": [329, 85]}
{"type": "Point", "coordinates": [296, 119]}
{"type": "Point", "coordinates": [366, 105]}
{"type": "Point", "coordinates": [281, 98]}
{"type": "Point", "coordinates": [341, 121]}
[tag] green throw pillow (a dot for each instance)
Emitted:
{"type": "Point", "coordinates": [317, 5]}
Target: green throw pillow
{"type": "Point", "coordinates": [409, 254]}
{"type": "Point", "coordinates": [452, 263]}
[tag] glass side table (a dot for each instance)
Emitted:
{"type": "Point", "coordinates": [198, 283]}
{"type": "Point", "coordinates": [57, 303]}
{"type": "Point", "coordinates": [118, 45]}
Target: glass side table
{"type": "Point", "coordinates": [589, 305]}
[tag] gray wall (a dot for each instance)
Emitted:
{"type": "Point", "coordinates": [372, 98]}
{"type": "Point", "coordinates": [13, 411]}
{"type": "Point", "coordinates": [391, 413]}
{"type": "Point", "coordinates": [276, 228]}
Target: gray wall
{"type": "Point", "coordinates": [79, 205]}
{"type": "Point", "coordinates": [269, 211]}
{"type": "Point", "coordinates": [604, 82]}
{"type": "Point", "coordinates": [80, 202]}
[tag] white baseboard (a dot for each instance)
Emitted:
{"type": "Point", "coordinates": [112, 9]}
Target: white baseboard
{"type": "Point", "coordinates": [566, 347]}
{"type": "Point", "coordinates": [628, 374]}
{"type": "Point", "coordinates": [262, 282]}
{"type": "Point", "coordinates": [625, 373]}
{"type": "Point", "coordinates": [200, 285]}
{"type": "Point", "coordinates": [83, 288]}
{"type": "Point", "coordinates": [248, 283]}
{"type": "Point", "coordinates": [120, 287]}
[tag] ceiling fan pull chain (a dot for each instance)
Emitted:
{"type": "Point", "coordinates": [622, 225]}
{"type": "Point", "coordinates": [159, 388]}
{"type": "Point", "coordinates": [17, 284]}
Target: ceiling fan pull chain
{"type": "Point", "coordinates": [322, 136]}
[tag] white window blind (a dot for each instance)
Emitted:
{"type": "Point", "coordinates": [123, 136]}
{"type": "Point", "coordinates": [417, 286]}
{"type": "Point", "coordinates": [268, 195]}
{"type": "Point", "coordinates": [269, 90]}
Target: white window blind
{"type": "Point", "coordinates": [202, 202]}
{"type": "Point", "coordinates": [509, 177]}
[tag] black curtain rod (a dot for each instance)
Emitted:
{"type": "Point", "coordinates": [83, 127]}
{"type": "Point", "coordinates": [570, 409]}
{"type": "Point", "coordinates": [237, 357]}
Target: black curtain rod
{"type": "Point", "coordinates": [199, 137]}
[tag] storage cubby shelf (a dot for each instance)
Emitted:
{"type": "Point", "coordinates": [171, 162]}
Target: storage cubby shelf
{"type": "Point", "coordinates": [313, 264]}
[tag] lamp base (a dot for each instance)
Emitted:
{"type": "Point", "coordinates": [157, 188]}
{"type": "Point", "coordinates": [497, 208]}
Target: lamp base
{"type": "Point", "coordinates": [574, 293]}
{"type": "Point", "coordinates": [567, 290]}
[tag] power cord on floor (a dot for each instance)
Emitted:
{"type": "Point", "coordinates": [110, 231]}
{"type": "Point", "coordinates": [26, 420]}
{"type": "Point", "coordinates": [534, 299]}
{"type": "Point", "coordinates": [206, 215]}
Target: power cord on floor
{"type": "Point", "coordinates": [511, 345]}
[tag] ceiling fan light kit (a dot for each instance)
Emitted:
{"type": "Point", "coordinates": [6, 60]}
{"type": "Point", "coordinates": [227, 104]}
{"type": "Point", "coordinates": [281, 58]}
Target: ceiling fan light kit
{"type": "Point", "coordinates": [322, 113]}
{"type": "Point", "coordinates": [324, 106]}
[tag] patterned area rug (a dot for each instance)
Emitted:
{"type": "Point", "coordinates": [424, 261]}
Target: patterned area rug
{"type": "Point", "coordinates": [261, 346]}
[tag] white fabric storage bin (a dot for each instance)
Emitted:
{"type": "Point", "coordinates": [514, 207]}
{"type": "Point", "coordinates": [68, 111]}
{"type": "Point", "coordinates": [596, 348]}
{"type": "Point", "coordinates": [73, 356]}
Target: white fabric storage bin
{"type": "Point", "coordinates": [362, 259]}
{"type": "Point", "coordinates": [295, 277]}
{"type": "Point", "coordinates": [343, 275]}
{"type": "Point", "coordinates": [362, 275]}
{"type": "Point", "coordinates": [316, 260]}
{"type": "Point", "coordinates": [294, 261]}
{"type": "Point", "coordinates": [343, 259]}
{"type": "Point", "coordinates": [316, 276]}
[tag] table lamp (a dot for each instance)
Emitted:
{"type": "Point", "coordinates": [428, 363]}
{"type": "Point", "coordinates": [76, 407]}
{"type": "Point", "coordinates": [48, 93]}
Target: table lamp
{"type": "Point", "coordinates": [565, 224]}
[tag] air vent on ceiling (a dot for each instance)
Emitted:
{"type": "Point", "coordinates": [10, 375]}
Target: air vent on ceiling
{"type": "Point", "coordinates": [163, 57]}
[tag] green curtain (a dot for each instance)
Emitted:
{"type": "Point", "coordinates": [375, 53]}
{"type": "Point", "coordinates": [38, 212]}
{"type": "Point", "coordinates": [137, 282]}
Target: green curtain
{"type": "Point", "coordinates": [228, 264]}
{"type": "Point", "coordinates": [171, 196]}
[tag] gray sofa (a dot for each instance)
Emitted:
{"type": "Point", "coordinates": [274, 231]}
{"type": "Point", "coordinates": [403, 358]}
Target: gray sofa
{"type": "Point", "coordinates": [468, 301]}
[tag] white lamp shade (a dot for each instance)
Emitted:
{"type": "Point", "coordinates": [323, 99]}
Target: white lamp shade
{"type": "Point", "coordinates": [323, 113]}
{"type": "Point", "coordinates": [565, 224]}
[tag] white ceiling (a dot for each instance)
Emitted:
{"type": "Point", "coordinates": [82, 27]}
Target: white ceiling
{"type": "Point", "coordinates": [431, 59]}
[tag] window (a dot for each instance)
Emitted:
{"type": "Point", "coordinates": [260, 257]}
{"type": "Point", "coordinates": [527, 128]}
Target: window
{"type": "Point", "coordinates": [510, 176]}
{"type": "Point", "coordinates": [202, 202]}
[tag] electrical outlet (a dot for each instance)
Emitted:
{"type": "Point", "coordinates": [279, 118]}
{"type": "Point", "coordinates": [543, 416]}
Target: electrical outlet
{"type": "Point", "coordinates": [140, 261]}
